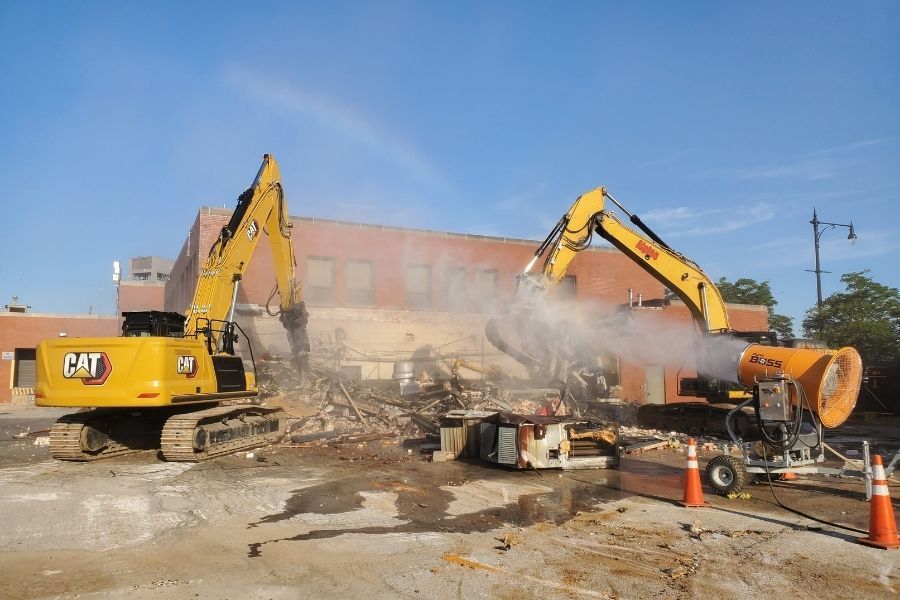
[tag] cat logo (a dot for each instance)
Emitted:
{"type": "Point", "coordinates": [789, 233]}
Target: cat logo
{"type": "Point", "coordinates": [92, 368]}
{"type": "Point", "coordinates": [252, 229]}
{"type": "Point", "coordinates": [187, 365]}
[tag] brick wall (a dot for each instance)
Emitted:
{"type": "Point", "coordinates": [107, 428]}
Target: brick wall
{"type": "Point", "coordinates": [27, 330]}
{"type": "Point", "coordinates": [601, 273]}
{"type": "Point", "coordinates": [742, 317]}
{"type": "Point", "coordinates": [183, 277]}
{"type": "Point", "coordinates": [139, 295]}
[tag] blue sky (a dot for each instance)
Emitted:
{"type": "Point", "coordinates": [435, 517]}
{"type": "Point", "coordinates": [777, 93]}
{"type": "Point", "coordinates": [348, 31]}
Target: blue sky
{"type": "Point", "coordinates": [721, 123]}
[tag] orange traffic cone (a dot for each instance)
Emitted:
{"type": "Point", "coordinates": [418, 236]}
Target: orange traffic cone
{"type": "Point", "coordinates": [693, 492]}
{"type": "Point", "coordinates": [882, 528]}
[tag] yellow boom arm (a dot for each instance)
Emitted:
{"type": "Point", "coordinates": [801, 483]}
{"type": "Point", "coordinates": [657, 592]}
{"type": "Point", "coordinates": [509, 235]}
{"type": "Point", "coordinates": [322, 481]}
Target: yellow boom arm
{"type": "Point", "coordinates": [674, 270]}
{"type": "Point", "coordinates": [260, 208]}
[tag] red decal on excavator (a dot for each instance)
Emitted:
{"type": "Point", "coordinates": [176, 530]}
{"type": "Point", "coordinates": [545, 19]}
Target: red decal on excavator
{"type": "Point", "coordinates": [648, 251]}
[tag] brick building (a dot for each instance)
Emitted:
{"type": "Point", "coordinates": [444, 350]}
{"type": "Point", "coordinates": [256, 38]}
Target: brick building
{"type": "Point", "coordinates": [377, 295]}
{"type": "Point", "coordinates": [145, 286]}
{"type": "Point", "coordinates": [393, 294]}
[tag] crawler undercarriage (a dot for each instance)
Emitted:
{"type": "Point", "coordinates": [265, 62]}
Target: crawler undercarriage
{"type": "Point", "coordinates": [184, 435]}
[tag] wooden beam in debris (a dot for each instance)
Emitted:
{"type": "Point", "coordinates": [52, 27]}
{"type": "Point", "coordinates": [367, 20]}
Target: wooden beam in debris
{"type": "Point", "coordinates": [353, 404]}
{"type": "Point", "coordinates": [424, 423]}
{"type": "Point", "coordinates": [639, 447]}
{"type": "Point", "coordinates": [311, 437]}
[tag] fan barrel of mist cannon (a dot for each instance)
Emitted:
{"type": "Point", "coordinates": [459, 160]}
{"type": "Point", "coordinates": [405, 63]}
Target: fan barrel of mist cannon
{"type": "Point", "coordinates": [830, 378]}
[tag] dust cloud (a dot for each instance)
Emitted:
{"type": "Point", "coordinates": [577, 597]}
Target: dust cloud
{"type": "Point", "coordinates": [640, 337]}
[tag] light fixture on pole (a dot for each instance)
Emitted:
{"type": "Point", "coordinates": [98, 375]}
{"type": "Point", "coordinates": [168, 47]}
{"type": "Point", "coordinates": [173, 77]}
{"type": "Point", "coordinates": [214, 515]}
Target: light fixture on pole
{"type": "Point", "coordinates": [817, 234]}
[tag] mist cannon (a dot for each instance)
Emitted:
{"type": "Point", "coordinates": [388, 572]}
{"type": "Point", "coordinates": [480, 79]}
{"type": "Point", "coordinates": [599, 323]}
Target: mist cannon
{"type": "Point", "coordinates": [797, 393]}
{"type": "Point", "coordinates": [830, 379]}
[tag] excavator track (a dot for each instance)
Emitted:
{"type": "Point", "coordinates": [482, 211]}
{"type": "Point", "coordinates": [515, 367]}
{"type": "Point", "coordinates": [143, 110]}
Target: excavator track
{"type": "Point", "coordinates": [98, 434]}
{"type": "Point", "coordinates": [204, 434]}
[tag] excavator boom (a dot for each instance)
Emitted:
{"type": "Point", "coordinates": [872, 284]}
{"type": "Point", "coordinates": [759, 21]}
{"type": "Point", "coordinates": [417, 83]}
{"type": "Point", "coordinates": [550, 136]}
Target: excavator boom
{"type": "Point", "coordinates": [677, 272]}
{"type": "Point", "coordinates": [535, 337]}
{"type": "Point", "coordinates": [261, 208]}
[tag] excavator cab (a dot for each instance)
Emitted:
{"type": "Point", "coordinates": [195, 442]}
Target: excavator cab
{"type": "Point", "coordinates": [153, 323]}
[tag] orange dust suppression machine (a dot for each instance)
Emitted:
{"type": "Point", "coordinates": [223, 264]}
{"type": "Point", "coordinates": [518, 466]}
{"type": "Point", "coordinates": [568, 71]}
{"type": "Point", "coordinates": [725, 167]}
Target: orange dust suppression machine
{"type": "Point", "coordinates": [797, 393]}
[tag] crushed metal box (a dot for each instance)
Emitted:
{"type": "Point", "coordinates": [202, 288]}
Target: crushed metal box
{"type": "Point", "coordinates": [531, 442]}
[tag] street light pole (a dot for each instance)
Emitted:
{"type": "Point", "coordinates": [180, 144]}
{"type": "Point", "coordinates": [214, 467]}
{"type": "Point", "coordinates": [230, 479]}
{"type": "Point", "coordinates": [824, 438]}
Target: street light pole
{"type": "Point", "coordinates": [817, 234]}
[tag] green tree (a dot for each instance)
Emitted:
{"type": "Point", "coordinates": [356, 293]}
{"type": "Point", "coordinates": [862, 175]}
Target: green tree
{"type": "Point", "coordinates": [750, 291]}
{"type": "Point", "coordinates": [866, 316]}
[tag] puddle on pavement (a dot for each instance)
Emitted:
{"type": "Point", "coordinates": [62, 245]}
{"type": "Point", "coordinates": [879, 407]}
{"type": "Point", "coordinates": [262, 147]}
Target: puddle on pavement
{"type": "Point", "coordinates": [422, 506]}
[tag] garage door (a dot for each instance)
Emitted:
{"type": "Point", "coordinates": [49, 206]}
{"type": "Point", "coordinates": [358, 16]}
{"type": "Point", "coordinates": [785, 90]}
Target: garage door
{"type": "Point", "coordinates": [23, 376]}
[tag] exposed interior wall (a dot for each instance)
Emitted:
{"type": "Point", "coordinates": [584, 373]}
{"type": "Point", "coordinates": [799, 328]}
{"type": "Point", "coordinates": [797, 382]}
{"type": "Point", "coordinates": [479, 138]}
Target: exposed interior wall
{"type": "Point", "coordinates": [374, 339]}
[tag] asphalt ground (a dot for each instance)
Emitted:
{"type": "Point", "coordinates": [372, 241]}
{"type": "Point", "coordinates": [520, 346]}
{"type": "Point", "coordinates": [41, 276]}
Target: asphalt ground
{"type": "Point", "coordinates": [379, 519]}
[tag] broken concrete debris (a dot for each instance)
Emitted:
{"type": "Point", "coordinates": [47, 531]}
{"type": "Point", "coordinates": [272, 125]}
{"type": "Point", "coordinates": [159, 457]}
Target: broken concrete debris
{"type": "Point", "coordinates": [523, 428]}
{"type": "Point", "coordinates": [441, 456]}
{"type": "Point", "coordinates": [330, 407]}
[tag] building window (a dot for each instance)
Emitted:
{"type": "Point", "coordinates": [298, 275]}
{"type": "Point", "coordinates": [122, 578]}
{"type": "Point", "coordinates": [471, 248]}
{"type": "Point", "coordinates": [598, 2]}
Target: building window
{"type": "Point", "coordinates": [486, 282]}
{"type": "Point", "coordinates": [141, 276]}
{"type": "Point", "coordinates": [359, 283]}
{"type": "Point", "coordinates": [162, 276]}
{"type": "Point", "coordinates": [418, 286]}
{"type": "Point", "coordinates": [453, 290]}
{"type": "Point", "coordinates": [319, 280]}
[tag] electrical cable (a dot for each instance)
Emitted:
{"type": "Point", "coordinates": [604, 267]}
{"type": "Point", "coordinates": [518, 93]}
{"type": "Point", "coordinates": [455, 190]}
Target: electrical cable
{"type": "Point", "coordinates": [800, 512]}
{"type": "Point", "coordinates": [729, 419]}
{"type": "Point", "coordinates": [802, 399]}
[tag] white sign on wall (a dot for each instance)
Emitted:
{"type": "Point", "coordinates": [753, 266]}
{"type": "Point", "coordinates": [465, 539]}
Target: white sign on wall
{"type": "Point", "coordinates": [9, 355]}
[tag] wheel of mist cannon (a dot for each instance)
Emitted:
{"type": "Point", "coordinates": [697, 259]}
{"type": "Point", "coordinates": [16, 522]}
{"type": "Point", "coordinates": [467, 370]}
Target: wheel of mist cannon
{"type": "Point", "coordinates": [726, 474]}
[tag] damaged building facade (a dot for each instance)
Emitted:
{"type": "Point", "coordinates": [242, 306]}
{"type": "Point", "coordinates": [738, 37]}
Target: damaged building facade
{"type": "Point", "coordinates": [378, 295]}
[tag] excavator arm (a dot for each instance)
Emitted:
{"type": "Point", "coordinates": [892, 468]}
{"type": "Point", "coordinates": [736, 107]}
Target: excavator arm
{"type": "Point", "coordinates": [674, 270]}
{"type": "Point", "coordinates": [261, 208]}
{"type": "Point", "coordinates": [573, 233]}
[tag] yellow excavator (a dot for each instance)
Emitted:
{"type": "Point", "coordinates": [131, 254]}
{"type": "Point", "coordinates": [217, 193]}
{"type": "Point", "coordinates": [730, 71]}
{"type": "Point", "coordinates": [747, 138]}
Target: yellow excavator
{"type": "Point", "coordinates": [163, 383]}
{"type": "Point", "coordinates": [541, 339]}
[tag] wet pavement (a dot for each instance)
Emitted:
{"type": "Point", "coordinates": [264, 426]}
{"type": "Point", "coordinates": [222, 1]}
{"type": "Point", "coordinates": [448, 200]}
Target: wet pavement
{"type": "Point", "coordinates": [285, 519]}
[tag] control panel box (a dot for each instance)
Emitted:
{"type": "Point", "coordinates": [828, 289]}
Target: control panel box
{"type": "Point", "coordinates": [774, 401]}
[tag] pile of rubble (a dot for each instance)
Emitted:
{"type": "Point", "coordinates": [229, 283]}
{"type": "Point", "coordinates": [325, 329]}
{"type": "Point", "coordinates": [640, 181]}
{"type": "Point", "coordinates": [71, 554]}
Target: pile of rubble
{"type": "Point", "coordinates": [329, 405]}
{"type": "Point", "coordinates": [636, 440]}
